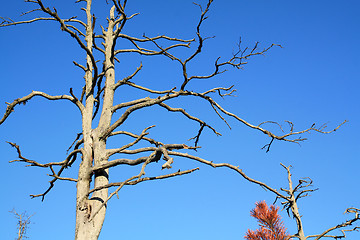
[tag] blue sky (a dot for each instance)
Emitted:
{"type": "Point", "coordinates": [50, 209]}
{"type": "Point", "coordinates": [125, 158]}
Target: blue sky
{"type": "Point", "coordinates": [313, 78]}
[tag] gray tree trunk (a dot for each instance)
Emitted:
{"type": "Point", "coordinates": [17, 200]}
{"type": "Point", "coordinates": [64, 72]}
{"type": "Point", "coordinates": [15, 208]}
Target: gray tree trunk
{"type": "Point", "coordinates": [94, 153]}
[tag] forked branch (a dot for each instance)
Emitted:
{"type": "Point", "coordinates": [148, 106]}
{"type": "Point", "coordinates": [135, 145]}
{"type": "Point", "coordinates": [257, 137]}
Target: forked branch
{"type": "Point", "coordinates": [56, 176]}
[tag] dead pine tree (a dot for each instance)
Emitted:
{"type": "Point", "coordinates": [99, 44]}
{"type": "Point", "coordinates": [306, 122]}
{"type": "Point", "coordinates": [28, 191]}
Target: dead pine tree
{"type": "Point", "coordinates": [269, 220]}
{"type": "Point", "coordinates": [95, 102]}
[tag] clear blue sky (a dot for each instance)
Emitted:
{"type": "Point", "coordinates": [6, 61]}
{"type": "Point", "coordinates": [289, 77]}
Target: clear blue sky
{"type": "Point", "coordinates": [313, 78]}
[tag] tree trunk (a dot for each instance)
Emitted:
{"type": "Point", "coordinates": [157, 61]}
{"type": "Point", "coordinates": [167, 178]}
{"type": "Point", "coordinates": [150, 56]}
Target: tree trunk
{"type": "Point", "coordinates": [90, 214]}
{"type": "Point", "coordinates": [88, 227]}
{"type": "Point", "coordinates": [91, 210]}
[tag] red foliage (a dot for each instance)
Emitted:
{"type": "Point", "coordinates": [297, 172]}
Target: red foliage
{"type": "Point", "coordinates": [271, 226]}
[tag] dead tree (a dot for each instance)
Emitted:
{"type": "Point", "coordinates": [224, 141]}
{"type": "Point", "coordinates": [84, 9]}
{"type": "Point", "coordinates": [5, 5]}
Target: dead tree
{"type": "Point", "coordinates": [23, 221]}
{"type": "Point", "coordinates": [289, 199]}
{"type": "Point", "coordinates": [271, 226]}
{"type": "Point", "coordinates": [97, 108]}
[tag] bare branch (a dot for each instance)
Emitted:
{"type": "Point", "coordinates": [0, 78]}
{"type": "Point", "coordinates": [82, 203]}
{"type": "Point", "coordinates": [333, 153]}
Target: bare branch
{"type": "Point", "coordinates": [6, 22]}
{"type": "Point", "coordinates": [111, 152]}
{"type": "Point", "coordinates": [203, 17]}
{"type": "Point", "coordinates": [159, 151]}
{"type": "Point", "coordinates": [60, 178]}
{"type": "Point", "coordinates": [240, 57]}
{"type": "Point", "coordinates": [347, 223]}
{"type": "Point", "coordinates": [138, 104]}
{"type": "Point", "coordinates": [126, 114]}
{"type": "Point", "coordinates": [150, 140]}
{"type": "Point", "coordinates": [131, 103]}
{"type": "Point", "coordinates": [202, 123]}
{"type": "Point", "coordinates": [226, 165]}
{"type": "Point", "coordinates": [267, 146]}
{"type": "Point", "coordinates": [217, 112]}
{"type": "Point", "coordinates": [148, 89]}
{"type": "Point", "coordinates": [147, 39]}
{"type": "Point", "coordinates": [143, 179]}
{"type": "Point", "coordinates": [23, 100]}
{"type": "Point", "coordinates": [148, 52]}
{"type": "Point", "coordinates": [219, 89]}
{"type": "Point", "coordinates": [272, 122]}
{"type": "Point", "coordinates": [80, 66]}
{"type": "Point", "coordinates": [125, 80]}
{"type": "Point", "coordinates": [200, 44]}
{"type": "Point", "coordinates": [32, 162]}
{"type": "Point", "coordinates": [197, 137]}
{"type": "Point", "coordinates": [52, 182]}
{"type": "Point", "coordinates": [31, 11]}
{"type": "Point", "coordinates": [165, 51]}
{"type": "Point", "coordinates": [284, 137]}
{"type": "Point", "coordinates": [76, 29]}
{"type": "Point", "coordinates": [77, 138]}
{"type": "Point", "coordinates": [56, 176]}
{"type": "Point", "coordinates": [122, 161]}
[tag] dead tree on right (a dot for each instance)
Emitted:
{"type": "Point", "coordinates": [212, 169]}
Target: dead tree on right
{"type": "Point", "coordinates": [289, 198]}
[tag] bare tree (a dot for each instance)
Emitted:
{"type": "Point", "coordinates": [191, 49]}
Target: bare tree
{"type": "Point", "coordinates": [97, 107]}
{"type": "Point", "coordinates": [23, 221]}
{"type": "Point", "coordinates": [290, 196]}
